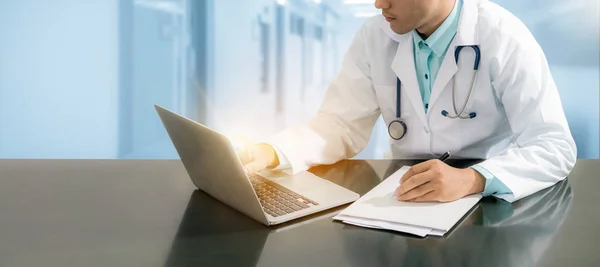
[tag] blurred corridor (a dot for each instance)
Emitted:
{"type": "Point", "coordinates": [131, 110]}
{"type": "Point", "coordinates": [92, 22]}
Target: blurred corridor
{"type": "Point", "coordinates": [78, 79]}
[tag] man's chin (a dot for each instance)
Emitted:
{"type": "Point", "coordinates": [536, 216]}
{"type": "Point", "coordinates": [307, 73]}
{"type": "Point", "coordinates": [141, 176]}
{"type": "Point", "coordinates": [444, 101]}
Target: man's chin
{"type": "Point", "coordinates": [399, 30]}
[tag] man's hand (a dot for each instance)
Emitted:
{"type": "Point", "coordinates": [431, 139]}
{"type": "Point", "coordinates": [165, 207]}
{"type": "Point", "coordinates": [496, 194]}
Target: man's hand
{"type": "Point", "coordinates": [434, 180]}
{"type": "Point", "coordinates": [258, 157]}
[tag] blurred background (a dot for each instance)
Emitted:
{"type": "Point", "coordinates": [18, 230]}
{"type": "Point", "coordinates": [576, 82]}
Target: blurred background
{"type": "Point", "coordinates": [78, 79]}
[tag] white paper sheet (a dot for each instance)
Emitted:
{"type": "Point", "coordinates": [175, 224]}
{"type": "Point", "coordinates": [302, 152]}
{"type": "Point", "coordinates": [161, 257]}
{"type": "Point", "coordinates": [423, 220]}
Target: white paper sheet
{"type": "Point", "coordinates": [363, 225]}
{"type": "Point", "coordinates": [437, 232]}
{"type": "Point", "coordinates": [380, 205]}
{"type": "Point", "coordinates": [420, 231]}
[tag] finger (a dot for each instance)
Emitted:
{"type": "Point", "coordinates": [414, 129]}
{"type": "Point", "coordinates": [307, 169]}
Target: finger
{"type": "Point", "coordinates": [414, 182]}
{"type": "Point", "coordinates": [432, 196]}
{"type": "Point", "coordinates": [416, 169]}
{"type": "Point", "coordinates": [254, 167]}
{"type": "Point", "coordinates": [417, 191]}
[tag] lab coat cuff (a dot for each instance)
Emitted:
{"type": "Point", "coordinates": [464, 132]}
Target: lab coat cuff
{"type": "Point", "coordinates": [493, 186]}
{"type": "Point", "coordinates": [284, 163]}
{"type": "Point", "coordinates": [506, 173]}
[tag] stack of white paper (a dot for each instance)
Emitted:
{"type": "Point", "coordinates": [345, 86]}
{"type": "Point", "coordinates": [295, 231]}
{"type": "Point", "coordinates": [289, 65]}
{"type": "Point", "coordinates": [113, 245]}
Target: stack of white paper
{"type": "Point", "coordinates": [379, 209]}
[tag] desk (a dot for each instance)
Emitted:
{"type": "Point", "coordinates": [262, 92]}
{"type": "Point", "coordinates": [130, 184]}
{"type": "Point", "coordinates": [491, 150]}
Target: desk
{"type": "Point", "coordinates": [148, 213]}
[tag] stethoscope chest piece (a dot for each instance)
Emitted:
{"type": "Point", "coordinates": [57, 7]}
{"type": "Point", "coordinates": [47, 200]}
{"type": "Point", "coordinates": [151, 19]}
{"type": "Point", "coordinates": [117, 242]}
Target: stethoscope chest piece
{"type": "Point", "coordinates": [397, 129]}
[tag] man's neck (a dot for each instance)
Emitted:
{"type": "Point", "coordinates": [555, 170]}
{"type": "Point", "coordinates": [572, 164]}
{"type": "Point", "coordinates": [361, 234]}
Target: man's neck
{"type": "Point", "coordinates": [437, 19]}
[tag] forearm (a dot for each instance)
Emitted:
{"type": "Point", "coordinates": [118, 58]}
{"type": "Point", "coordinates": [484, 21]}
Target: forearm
{"type": "Point", "coordinates": [476, 181]}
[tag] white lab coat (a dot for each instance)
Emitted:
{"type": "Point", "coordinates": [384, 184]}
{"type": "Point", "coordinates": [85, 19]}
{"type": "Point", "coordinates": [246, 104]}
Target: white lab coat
{"type": "Point", "coordinates": [520, 129]}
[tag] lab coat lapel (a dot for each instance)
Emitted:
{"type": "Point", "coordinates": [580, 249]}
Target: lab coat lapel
{"type": "Point", "coordinates": [466, 35]}
{"type": "Point", "coordinates": [403, 66]}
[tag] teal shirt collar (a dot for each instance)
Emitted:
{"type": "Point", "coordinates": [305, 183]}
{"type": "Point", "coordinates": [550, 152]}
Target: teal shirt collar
{"type": "Point", "coordinates": [441, 38]}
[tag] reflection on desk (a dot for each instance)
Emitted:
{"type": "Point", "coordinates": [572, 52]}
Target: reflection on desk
{"type": "Point", "coordinates": [199, 240]}
{"type": "Point", "coordinates": [495, 234]}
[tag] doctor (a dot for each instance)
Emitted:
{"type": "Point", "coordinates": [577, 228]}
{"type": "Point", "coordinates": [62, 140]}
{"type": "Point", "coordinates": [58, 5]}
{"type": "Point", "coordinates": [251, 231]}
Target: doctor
{"type": "Point", "coordinates": [464, 76]}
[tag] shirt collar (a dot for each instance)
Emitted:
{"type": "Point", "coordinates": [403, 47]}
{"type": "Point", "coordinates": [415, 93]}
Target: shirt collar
{"type": "Point", "coordinates": [441, 38]}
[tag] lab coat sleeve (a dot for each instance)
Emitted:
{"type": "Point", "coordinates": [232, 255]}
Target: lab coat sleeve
{"type": "Point", "coordinates": [344, 122]}
{"type": "Point", "coordinates": [544, 151]}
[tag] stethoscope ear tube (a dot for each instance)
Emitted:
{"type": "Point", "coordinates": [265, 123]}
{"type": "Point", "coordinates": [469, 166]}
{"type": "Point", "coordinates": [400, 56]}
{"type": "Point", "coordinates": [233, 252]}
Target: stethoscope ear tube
{"type": "Point", "coordinates": [396, 135]}
{"type": "Point", "coordinates": [477, 54]}
{"type": "Point", "coordinates": [398, 98]}
{"type": "Point", "coordinates": [397, 132]}
{"type": "Point", "coordinates": [475, 70]}
{"type": "Point", "coordinates": [472, 115]}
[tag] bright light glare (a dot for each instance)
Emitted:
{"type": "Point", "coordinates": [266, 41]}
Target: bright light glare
{"type": "Point", "coordinates": [239, 142]}
{"type": "Point", "coordinates": [358, 2]}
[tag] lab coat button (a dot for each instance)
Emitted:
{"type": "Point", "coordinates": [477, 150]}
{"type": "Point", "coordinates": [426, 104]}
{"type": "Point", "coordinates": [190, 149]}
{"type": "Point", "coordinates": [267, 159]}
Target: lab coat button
{"type": "Point", "coordinates": [426, 130]}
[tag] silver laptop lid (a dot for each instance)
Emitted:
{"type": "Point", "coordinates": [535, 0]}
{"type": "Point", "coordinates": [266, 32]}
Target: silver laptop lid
{"type": "Point", "coordinates": [212, 163]}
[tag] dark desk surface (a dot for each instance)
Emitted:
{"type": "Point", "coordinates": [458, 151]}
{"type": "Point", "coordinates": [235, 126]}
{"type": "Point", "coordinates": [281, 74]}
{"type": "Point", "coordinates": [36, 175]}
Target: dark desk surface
{"type": "Point", "coordinates": [147, 213]}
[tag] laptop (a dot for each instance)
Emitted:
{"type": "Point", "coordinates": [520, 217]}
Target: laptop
{"type": "Point", "coordinates": [214, 167]}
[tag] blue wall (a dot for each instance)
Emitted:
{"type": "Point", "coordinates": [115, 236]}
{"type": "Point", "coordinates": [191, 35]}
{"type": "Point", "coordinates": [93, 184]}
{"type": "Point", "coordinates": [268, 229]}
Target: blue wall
{"type": "Point", "coordinates": [58, 79]}
{"type": "Point", "coordinates": [578, 87]}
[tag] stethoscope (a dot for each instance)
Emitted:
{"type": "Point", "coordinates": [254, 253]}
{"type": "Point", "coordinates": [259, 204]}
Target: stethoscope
{"type": "Point", "coordinates": [397, 128]}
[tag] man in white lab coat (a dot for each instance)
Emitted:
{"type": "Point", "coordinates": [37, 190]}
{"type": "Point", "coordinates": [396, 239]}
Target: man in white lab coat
{"type": "Point", "coordinates": [407, 65]}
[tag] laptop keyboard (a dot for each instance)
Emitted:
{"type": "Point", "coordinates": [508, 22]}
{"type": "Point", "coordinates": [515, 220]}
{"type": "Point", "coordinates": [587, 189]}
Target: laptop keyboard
{"type": "Point", "coordinates": [277, 200]}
